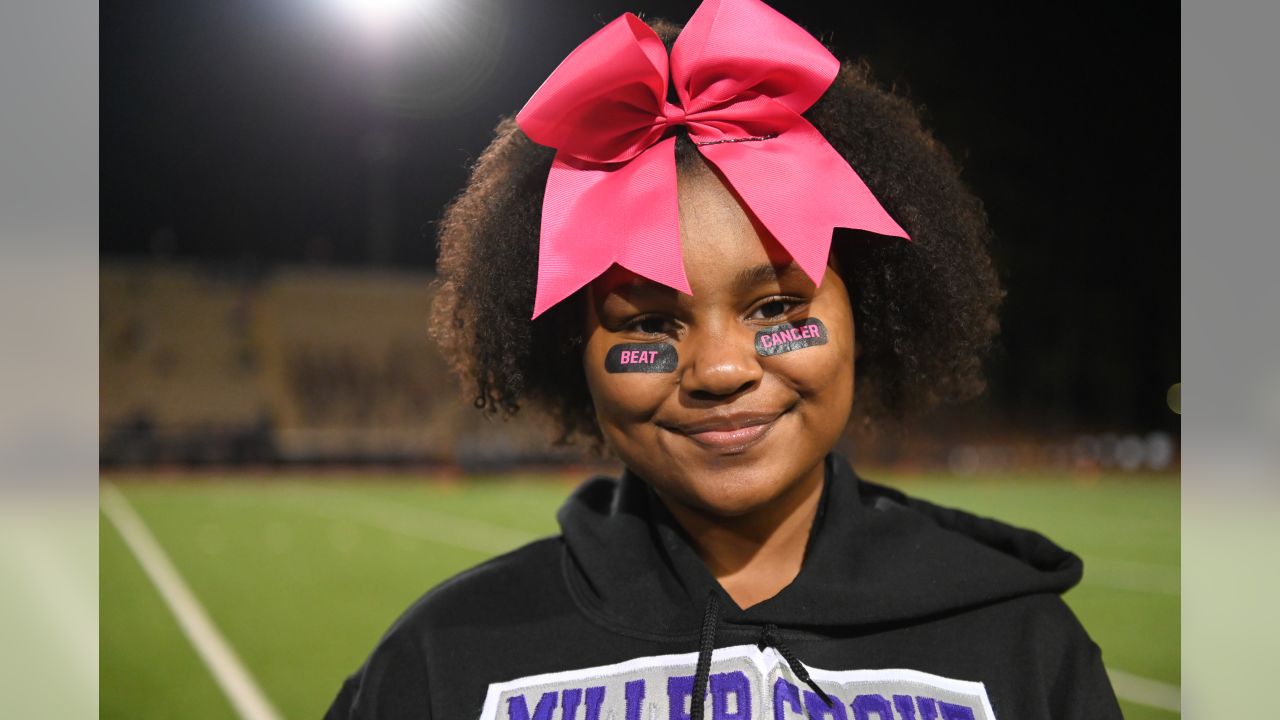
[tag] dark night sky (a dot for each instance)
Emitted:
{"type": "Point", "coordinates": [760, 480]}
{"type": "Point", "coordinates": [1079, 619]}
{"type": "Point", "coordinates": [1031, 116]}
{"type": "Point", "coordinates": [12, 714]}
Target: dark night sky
{"type": "Point", "coordinates": [242, 131]}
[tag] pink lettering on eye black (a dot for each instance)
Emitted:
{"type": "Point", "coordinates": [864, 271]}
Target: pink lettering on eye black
{"type": "Point", "coordinates": [641, 357]}
{"type": "Point", "coordinates": [788, 336]}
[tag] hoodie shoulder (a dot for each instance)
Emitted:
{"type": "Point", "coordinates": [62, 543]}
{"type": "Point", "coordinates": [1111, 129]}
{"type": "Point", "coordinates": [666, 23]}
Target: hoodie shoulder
{"type": "Point", "coordinates": [1027, 547]}
{"type": "Point", "coordinates": [1055, 655]}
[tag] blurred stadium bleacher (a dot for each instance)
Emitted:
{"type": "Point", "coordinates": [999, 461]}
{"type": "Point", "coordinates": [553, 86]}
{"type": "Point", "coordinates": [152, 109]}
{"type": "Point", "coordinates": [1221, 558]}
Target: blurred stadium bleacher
{"type": "Point", "coordinates": [299, 365]}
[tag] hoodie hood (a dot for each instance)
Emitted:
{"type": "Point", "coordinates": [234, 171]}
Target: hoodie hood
{"type": "Point", "coordinates": [875, 557]}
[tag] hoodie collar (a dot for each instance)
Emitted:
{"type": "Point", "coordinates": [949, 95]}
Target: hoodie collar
{"type": "Point", "coordinates": [875, 556]}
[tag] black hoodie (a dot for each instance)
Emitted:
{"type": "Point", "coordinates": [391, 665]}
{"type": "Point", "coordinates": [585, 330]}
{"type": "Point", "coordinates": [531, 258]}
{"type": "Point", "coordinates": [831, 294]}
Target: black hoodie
{"type": "Point", "coordinates": [902, 610]}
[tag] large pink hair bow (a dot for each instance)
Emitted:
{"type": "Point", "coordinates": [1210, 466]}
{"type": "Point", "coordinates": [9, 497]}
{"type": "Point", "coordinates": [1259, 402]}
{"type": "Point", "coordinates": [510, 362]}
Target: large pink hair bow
{"type": "Point", "coordinates": [743, 73]}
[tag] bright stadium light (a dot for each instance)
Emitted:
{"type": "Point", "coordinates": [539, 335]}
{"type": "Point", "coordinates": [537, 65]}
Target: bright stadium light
{"type": "Point", "coordinates": [381, 16]}
{"type": "Point", "coordinates": [419, 58]}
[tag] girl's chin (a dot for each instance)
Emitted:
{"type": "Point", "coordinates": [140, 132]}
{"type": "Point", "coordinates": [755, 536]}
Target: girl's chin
{"type": "Point", "coordinates": [734, 492]}
{"type": "Point", "coordinates": [719, 483]}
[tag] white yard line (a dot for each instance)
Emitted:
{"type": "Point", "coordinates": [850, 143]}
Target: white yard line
{"type": "Point", "coordinates": [228, 671]}
{"type": "Point", "coordinates": [1145, 691]}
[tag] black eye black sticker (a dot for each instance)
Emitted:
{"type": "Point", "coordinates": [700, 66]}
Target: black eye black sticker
{"type": "Point", "coordinates": [788, 336]}
{"type": "Point", "coordinates": [641, 357]}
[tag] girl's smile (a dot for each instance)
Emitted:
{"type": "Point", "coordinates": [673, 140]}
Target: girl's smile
{"type": "Point", "coordinates": [762, 385]}
{"type": "Point", "coordinates": [729, 432]}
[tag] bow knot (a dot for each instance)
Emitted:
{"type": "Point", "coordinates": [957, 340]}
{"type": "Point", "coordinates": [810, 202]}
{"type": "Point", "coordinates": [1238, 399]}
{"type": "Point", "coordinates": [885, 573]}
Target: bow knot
{"type": "Point", "coordinates": [673, 114]}
{"type": "Point", "coordinates": [745, 72]}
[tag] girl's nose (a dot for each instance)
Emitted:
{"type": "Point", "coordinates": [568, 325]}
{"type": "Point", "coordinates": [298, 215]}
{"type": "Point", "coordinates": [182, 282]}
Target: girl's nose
{"type": "Point", "coordinates": [721, 364]}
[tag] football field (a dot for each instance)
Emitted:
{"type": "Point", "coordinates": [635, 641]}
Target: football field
{"type": "Point", "coordinates": [255, 596]}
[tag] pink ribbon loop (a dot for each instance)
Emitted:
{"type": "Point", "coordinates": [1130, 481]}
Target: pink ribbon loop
{"type": "Point", "coordinates": [743, 74]}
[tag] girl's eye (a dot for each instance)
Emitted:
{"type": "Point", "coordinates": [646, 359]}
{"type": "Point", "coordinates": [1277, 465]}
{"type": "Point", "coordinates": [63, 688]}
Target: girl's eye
{"type": "Point", "coordinates": [772, 309]}
{"type": "Point", "coordinates": [650, 325]}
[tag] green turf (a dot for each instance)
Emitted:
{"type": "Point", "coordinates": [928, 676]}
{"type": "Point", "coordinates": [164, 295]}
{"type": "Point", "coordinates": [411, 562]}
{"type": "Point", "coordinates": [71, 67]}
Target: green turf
{"type": "Point", "coordinates": [302, 578]}
{"type": "Point", "coordinates": [147, 669]}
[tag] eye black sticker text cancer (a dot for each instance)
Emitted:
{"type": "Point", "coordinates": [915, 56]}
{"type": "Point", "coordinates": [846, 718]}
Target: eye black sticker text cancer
{"type": "Point", "coordinates": [787, 337]}
{"type": "Point", "coordinates": [641, 357]}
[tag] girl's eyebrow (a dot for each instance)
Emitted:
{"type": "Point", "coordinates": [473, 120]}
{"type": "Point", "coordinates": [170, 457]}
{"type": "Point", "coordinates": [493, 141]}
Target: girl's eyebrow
{"type": "Point", "coordinates": [752, 276]}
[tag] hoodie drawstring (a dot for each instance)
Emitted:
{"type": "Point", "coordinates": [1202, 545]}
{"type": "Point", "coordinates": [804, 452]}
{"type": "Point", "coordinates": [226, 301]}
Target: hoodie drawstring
{"type": "Point", "coordinates": [707, 643]}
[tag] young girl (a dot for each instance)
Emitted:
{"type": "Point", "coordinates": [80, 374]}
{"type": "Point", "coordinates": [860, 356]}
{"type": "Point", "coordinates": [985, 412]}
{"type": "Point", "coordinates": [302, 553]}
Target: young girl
{"type": "Point", "coordinates": [721, 231]}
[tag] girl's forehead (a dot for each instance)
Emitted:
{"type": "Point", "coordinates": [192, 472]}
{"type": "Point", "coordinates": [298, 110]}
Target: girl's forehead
{"type": "Point", "coordinates": [718, 229]}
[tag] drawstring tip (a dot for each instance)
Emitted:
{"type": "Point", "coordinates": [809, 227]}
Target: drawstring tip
{"type": "Point", "coordinates": [825, 697]}
{"type": "Point", "coordinates": [769, 637]}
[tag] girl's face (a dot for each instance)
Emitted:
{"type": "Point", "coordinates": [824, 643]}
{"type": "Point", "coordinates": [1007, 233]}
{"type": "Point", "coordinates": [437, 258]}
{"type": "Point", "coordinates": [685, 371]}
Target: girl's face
{"type": "Point", "coordinates": [737, 418]}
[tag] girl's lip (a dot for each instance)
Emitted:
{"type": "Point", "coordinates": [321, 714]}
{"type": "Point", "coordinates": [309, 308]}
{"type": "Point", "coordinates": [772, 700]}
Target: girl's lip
{"type": "Point", "coordinates": [733, 439]}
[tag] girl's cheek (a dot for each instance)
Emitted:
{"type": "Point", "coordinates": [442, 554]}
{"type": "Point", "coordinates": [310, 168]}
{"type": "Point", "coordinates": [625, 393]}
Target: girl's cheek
{"type": "Point", "coordinates": [630, 380]}
{"type": "Point", "coordinates": [810, 369]}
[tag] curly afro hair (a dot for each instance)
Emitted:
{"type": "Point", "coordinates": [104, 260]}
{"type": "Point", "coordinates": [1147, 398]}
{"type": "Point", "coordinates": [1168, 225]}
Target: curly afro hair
{"type": "Point", "coordinates": [925, 310]}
